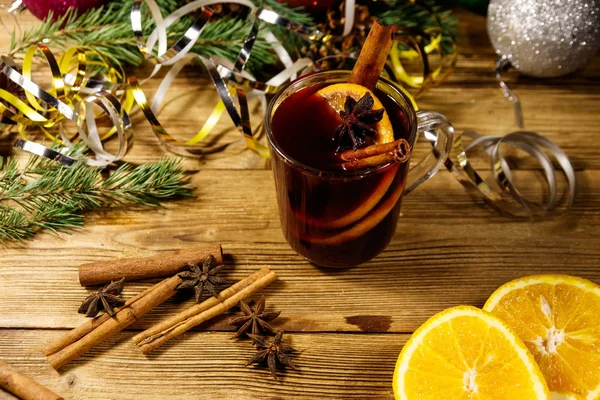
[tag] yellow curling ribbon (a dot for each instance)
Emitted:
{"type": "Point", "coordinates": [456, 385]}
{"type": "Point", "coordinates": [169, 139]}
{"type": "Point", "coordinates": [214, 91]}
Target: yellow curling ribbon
{"type": "Point", "coordinates": [26, 116]}
{"type": "Point", "coordinates": [74, 85]}
{"type": "Point", "coordinates": [65, 61]}
{"type": "Point", "coordinates": [58, 85]}
{"type": "Point", "coordinates": [428, 77]}
{"type": "Point", "coordinates": [182, 148]}
{"type": "Point", "coordinates": [208, 126]}
{"type": "Point", "coordinates": [71, 90]}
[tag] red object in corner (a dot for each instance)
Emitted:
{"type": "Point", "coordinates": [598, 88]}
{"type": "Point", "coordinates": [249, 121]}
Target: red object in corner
{"type": "Point", "coordinates": [41, 8]}
{"type": "Point", "coordinates": [311, 6]}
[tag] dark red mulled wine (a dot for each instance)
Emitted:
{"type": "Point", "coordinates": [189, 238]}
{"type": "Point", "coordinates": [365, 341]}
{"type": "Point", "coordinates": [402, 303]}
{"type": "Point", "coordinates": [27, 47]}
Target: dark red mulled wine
{"type": "Point", "coordinates": [334, 218]}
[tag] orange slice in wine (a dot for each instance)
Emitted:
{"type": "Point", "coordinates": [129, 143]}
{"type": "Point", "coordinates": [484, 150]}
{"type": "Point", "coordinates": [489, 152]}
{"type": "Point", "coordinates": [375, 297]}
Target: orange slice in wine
{"type": "Point", "coordinates": [336, 97]}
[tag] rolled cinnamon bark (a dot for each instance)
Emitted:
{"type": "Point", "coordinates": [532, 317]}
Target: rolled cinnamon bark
{"type": "Point", "coordinates": [400, 147]}
{"type": "Point", "coordinates": [150, 343]}
{"type": "Point", "coordinates": [75, 334]}
{"type": "Point", "coordinates": [399, 154]}
{"type": "Point", "coordinates": [373, 56]}
{"type": "Point", "coordinates": [199, 308]}
{"type": "Point", "coordinates": [157, 266]}
{"type": "Point", "coordinates": [23, 386]}
{"type": "Point", "coordinates": [122, 319]}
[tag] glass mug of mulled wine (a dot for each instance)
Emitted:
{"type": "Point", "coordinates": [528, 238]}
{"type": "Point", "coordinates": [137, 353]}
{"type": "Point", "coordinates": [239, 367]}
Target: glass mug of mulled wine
{"type": "Point", "coordinates": [340, 213]}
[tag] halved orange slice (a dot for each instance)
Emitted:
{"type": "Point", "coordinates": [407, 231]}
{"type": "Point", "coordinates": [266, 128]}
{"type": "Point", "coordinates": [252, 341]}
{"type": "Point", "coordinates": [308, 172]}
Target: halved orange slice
{"type": "Point", "coordinates": [558, 318]}
{"type": "Point", "coordinates": [466, 353]}
{"type": "Point", "coordinates": [336, 97]}
{"type": "Point", "coordinates": [565, 396]}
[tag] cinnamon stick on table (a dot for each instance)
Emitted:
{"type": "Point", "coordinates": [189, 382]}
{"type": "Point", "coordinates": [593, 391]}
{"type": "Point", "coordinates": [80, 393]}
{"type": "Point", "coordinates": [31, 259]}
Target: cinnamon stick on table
{"type": "Point", "coordinates": [152, 338]}
{"type": "Point", "coordinates": [157, 266]}
{"type": "Point", "coordinates": [68, 348]}
{"type": "Point", "coordinates": [23, 386]}
{"type": "Point", "coordinates": [373, 56]}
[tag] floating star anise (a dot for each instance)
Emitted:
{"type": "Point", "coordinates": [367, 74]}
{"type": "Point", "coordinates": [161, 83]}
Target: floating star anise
{"type": "Point", "coordinates": [257, 319]}
{"type": "Point", "coordinates": [272, 352]}
{"type": "Point", "coordinates": [357, 116]}
{"type": "Point", "coordinates": [106, 299]}
{"type": "Point", "coordinates": [201, 278]}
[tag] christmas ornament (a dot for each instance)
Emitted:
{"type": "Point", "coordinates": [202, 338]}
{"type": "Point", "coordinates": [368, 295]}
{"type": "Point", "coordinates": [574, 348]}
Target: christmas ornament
{"type": "Point", "coordinates": [545, 38]}
{"type": "Point", "coordinates": [311, 6]}
{"type": "Point", "coordinates": [41, 8]}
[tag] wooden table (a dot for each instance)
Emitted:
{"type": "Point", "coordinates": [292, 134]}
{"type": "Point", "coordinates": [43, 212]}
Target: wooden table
{"type": "Point", "coordinates": [349, 325]}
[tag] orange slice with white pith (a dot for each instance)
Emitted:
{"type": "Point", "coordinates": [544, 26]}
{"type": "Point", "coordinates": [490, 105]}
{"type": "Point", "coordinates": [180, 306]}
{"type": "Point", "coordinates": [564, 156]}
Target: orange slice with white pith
{"type": "Point", "coordinates": [466, 353]}
{"type": "Point", "coordinates": [558, 318]}
{"type": "Point", "coordinates": [336, 97]}
{"type": "Point", "coordinates": [565, 396]}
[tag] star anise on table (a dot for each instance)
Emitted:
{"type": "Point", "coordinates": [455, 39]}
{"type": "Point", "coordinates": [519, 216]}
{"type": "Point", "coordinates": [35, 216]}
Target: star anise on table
{"type": "Point", "coordinates": [357, 116]}
{"type": "Point", "coordinates": [105, 299]}
{"type": "Point", "coordinates": [257, 319]}
{"type": "Point", "coordinates": [273, 352]}
{"type": "Point", "coordinates": [201, 278]}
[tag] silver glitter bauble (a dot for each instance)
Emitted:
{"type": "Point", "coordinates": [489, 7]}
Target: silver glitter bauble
{"type": "Point", "coordinates": [545, 38]}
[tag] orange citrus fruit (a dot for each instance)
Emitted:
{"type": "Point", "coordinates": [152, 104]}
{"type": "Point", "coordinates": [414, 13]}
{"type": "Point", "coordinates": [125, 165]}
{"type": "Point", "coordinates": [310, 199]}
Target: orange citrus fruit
{"type": "Point", "coordinates": [336, 94]}
{"type": "Point", "coordinates": [466, 353]}
{"type": "Point", "coordinates": [558, 318]}
{"type": "Point", "coordinates": [565, 396]}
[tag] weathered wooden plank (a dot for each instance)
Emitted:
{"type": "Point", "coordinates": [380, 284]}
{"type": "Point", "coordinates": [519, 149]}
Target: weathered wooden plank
{"type": "Point", "coordinates": [447, 251]}
{"type": "Point", "coordinates": [211, 365]}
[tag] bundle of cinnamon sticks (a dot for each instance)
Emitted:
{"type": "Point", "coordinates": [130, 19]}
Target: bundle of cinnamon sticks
{"type": "Point", "coordinates": [83, 338]}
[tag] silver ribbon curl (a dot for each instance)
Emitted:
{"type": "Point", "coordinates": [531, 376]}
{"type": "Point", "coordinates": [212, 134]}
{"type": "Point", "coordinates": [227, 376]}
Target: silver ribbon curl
{"type": "Point", "coordinates": [508, 198]}
{"type": "Point", "coordinates": [43, 151]}
{"type": "Point", "coordinates": [503, 65]}
{"type": "Point", "coordinates": [219, 71]}
{"type": "Point", "coordinates": [90, 136]}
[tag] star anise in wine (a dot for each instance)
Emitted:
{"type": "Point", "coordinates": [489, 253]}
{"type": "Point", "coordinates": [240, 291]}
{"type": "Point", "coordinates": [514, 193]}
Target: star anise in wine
{"type": "Point", "coordinates": [357, 116]}
{"type": "Point", "coordinates": [106, 299]}
{"type": "Point", "coordinates": [273, 352]}
{"type": "Point", "coordinates": [257, 319]}
{"type": "Point", "coordinates": [201, 278]}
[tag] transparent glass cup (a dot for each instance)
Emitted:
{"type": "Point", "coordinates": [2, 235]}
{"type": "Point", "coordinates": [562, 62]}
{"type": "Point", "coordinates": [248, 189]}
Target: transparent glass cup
{"type": "Point", "coordinates": [345, 218]}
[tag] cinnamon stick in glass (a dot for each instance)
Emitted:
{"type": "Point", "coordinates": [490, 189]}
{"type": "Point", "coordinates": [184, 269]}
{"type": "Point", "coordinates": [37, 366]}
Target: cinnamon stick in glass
{"type": "Point", "coordinates": [23, 386]}
{"type": "Point", "coordinates": [400, 146]}
{"type": "Point", "coordinates": [124, 317]}
{"type": "Point", "coordinates": [378, 154]}
{"type": "Point", "coordinates": [157, 266]}
{"type": "Point", "coordinates": [373, 56]}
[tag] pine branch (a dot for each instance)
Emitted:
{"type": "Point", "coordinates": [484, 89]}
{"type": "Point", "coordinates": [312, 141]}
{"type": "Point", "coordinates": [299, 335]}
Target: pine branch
{"type": "Point", "coordinates": [107, 29]}
{"type": "Point", "coordinates": [47, 196]}
{"type": "Point", "coordinates": [418, 17]}
{"type": "Point", "coordinates": [225, 38]}
{"type": "Point", "coordinates": [297, 15]}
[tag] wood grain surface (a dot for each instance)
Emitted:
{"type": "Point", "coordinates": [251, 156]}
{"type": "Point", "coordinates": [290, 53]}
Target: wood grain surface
{"type": "Point", "coordinates": [348, 325]}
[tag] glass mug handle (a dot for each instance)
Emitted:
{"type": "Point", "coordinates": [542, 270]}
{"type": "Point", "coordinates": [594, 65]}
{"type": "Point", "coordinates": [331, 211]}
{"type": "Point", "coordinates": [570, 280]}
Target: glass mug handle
{"type": "Point", "coordinates": [440, 133]}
